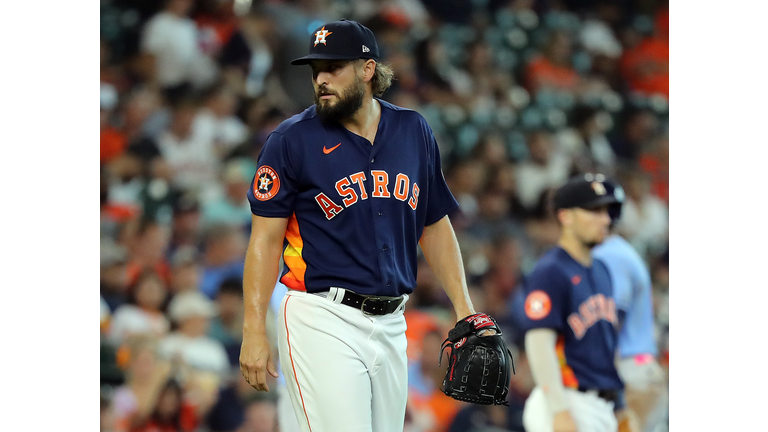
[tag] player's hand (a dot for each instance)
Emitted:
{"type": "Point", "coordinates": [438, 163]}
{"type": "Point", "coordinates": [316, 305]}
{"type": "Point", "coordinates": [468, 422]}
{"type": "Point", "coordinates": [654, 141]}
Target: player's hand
{"type": "Point", "coordinates": [256, 361]}
{"type": "Point", "coordinates": [564, 422]}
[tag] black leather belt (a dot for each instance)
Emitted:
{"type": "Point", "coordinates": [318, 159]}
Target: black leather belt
{"type": "Point", "coordinates": [371, 305]}
{"type": "Point", "coordinates": [610, 395]}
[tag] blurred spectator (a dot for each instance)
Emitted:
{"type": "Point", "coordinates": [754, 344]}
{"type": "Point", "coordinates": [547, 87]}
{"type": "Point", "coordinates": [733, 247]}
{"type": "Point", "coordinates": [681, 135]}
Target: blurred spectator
{"type": "Point", "coordinates": [420, 323]}
{"type": "Point", "coordinates": [494, 217]}
{"type": "Point", "coordinates": [142, 313]}
{"type": "Point", "coordinates": [146, 375]}
{"type": "Point", "coordinates": [427, 294]}
{"type": "Point", "coordinates": [552, 69]}
{"type": "Point", "coordinates": [466, 179]}
{"type": "Point", "coordinates": [232, 208]}
{"type": "Point", "coordinates": [217, 23]}
{"type": "Point", "coordinates": [172, 412]}
{"type": "Point", "coordinates": [126, 180]}
{"type": "Point", "coordinates": [492, 151]}
{"type": "Point", "coordinates": [191, 313]}
{"type": "Point", "coordinates": [148, 251]}
{"type": "Point", "coordinates": [638, 128]}
{"type": "Point", "coordinates": [217, 120]}
{"type": "Point", "coordinates": [655, 162]}
{"type": "Point", "coordinates": [546, 168]}
{"type": "Point", "coordinates": [542, 227]}
{"type": "Point", "coordinates": [586, 144]}
{"type": "Point", "coordinates": [105, 316]}
{"type": "Point", "coordinates": [227, 326]}
{"type": "Point", "coordinates": [439, 80]}
{"type": "Point", "coordinates": [260, 415]}
{"type": "Point", "coordinates": [113, 142]}
{"type": "Point", "coordinates": [644, 217]}
{"type": "Point", "coordinates": [597, 36]}
{"type": "Point", "coordinates": [173, 39]}
{"type": "Point", "coordinates": [106, 415]}
{"type": "Point", "coordinates": [186, 226]}
{"type": "Point", "coordinates": [502, 278]}
{"type": "Point", "coordinates": [185, 271]}
{"type": "Point", "coordinates": [114, 274]}
{"type": "Point", "coordinates": [645, 66]}
{"type": "Point", "coordinates": [189, 152]}
{"type": "Point", "coordinates": [141, 121]}
{"type": "Point", "coordinates": [224, 257]}
{"type": "Point", "coordinates": [112, 215]}
{"type": "Point", "coordinates": [430, 410]}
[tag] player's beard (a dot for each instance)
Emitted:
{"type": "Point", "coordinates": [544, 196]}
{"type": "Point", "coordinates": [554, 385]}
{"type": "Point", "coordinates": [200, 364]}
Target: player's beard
{"type": "Point", "coordinates": [349, 102]}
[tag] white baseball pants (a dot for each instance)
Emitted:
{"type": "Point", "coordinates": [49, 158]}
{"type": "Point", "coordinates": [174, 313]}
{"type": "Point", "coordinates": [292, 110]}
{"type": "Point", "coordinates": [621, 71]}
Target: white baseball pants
{"type": "Point", "coordinates": [590, 412]}
{"type": "Point", "coordinates": [345, 371]}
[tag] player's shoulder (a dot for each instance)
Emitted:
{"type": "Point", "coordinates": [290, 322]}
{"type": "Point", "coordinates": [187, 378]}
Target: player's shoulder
{"type": "Point", "coordinates": [402, 112]}
{"type": "Point", "coordinates": [299, 124]}
{"type": "Point", "coordinates": [618, 250]}
{"type": "Point", "coordinates": [551, 266]}
{"type": "Point", "coordinates": [555, 258]}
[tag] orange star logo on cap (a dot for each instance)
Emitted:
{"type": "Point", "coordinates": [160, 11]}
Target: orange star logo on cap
{"type": "Point", "coordinates": [321, 35]}
{"type": "Point", "coordinates": [599, 188]}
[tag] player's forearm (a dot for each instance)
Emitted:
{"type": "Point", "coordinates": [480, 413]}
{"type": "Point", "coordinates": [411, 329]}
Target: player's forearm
{"type": "Point", "coordinates": [262, 261]}
{"type": "Point", "coordinates": [441, 249]}
{"type": "Point", "coordinates": [540, 350]}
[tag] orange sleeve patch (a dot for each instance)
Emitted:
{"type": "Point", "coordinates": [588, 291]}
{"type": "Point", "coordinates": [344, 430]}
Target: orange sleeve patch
{"type": "Point", "coordinates": [537, 305]}
{"type": "Point", "coordinates": [267, 183]}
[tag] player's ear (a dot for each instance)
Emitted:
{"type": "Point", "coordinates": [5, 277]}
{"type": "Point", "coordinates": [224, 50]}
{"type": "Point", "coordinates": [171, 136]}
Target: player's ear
{"type": "Point", "coordinates": [369, 68]}
{"type": "Point", "coordinates": [565, 217]}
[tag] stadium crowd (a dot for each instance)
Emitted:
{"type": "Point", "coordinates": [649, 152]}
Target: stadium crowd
{"type": "Point", "coordinates": [521, 95]}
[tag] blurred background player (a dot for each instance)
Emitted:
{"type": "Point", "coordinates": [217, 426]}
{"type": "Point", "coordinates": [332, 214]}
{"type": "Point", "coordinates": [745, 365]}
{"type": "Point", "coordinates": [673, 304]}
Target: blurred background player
{"type": "Point", "coordinates": [645, 388]}
{"type": "Point", "coordinates": [570, 318]}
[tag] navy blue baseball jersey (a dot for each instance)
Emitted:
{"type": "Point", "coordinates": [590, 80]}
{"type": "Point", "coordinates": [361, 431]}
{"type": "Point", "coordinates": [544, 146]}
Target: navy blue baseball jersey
{"type": "Point", "coordinates": [577, 302]}
{"type": "Point", "coordinates": [356, 211]}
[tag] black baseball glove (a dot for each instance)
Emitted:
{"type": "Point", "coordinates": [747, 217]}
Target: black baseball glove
{"type": "Point", "coordinates": [478, 366]}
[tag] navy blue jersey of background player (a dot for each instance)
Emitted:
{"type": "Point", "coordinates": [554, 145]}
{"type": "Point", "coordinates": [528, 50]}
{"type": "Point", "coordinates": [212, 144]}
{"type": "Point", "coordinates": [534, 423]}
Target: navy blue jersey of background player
{"type": "Point", "coordinates": [577, 302]}
{"type": "Point", "coordinates": [356, 211]}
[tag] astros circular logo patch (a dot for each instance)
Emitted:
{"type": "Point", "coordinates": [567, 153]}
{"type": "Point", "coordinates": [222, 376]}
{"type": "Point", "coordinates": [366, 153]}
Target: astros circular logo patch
{"type": "Point", "coordinates": [267, 183]}
{"type": "Point", "coordinates": [537, 305]}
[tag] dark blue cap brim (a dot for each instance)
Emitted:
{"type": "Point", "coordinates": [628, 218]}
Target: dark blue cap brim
{"type": "Point", "coordinates": [599, 202]}
{"type": "Point", "coordinates": [308, 58]}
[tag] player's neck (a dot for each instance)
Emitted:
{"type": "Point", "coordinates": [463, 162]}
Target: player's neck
{"type": "Point", "coordinates": [577, 250]}
{"type": "Point", "coordinates": [365, 122]}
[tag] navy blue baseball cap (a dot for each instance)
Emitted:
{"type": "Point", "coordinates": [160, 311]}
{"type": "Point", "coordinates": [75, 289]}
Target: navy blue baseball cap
{"type": "Point", "coordinates": [340, 40]}
{"type": "Point", "coordinates": [589, 191]}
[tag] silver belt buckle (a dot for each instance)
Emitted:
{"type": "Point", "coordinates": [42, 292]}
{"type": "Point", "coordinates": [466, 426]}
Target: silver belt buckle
{"type": "Point", "coordinates": [362, 305]}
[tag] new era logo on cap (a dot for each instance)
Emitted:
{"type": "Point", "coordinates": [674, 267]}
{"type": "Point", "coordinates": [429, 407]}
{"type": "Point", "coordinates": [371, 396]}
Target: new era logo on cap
{"type": "Point", "coordinates": [340, 40]}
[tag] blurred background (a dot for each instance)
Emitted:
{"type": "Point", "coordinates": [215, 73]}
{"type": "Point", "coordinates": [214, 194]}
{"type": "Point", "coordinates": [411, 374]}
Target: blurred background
{"type": "Point", "coordinates": [521, 94]}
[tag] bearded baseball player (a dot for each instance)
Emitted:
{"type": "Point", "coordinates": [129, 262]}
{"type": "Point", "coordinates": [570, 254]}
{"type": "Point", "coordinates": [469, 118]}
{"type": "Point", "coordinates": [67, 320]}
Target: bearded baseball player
{"type": "Point", "coordinates": [570, 319]}
{"type": "Point", "coordinates": [345, 192]}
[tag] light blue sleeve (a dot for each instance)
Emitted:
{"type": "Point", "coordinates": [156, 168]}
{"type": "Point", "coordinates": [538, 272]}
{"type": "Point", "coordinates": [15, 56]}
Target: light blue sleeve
{"type": "Point", "coordinates": [638, 334]}
{"type": "Point", "coordinates": [632, 292]}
